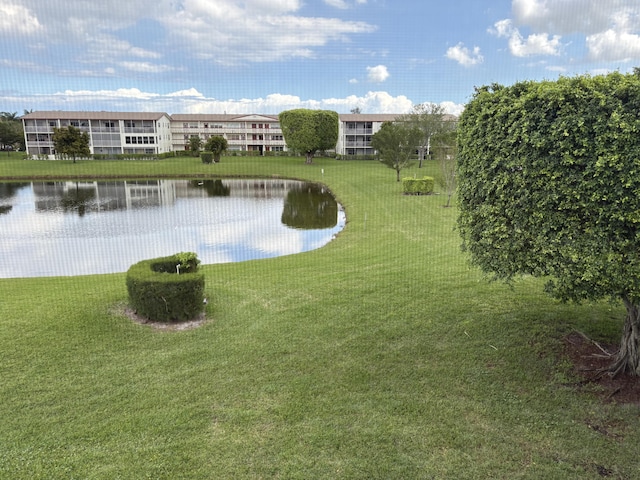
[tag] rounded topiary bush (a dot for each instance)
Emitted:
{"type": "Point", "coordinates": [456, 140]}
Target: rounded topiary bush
{"type": "Point", "coordinates": [167, 289]}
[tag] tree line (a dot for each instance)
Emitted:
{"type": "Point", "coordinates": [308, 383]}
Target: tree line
{"type": "Point", "coordinates": [11, 131]}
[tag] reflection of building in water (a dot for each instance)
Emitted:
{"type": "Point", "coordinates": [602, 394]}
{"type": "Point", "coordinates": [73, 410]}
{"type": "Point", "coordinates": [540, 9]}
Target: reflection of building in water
{"type": "Point", "coordinates": [121, 195]}
{"type": "Point", "coordinates": [104, 196]}
{"type": "Point", "coordinates": [260, 188]}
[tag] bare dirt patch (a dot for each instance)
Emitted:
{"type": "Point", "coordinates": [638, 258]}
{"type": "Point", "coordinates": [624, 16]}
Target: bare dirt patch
{"type": "Point", "coordinates": [589, 359]}
{"type": "Point", "coordinates": [196, 322]}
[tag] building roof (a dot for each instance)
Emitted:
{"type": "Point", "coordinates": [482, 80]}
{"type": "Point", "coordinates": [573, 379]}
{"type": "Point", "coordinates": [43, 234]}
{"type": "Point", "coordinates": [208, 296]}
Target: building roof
{"type": "Point", "coordinates": [220, 117]}
{"type": "Point", "coordinates": [87, 115]}
{"type": "Point", "coordinates": [368, 117]}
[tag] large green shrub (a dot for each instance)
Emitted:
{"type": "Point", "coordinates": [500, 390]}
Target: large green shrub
{"type": "Point", "coordinates": [418, 186]}
{"type": "Point", "coordinates": [167, 289]}
{"type": "Point", "coordinates": [206, 157]}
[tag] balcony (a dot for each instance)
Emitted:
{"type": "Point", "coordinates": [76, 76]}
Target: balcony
{"type": "Point", "coordinates": [358, 131]}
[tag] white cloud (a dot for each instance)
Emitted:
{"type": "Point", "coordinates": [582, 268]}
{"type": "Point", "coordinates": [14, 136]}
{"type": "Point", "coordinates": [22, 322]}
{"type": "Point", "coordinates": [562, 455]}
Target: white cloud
{"type": "Point", "coordinates": [611, 29]}
{"type": "Point", "coordinates": [244, 32]}
{"type": "Point", "coordinates": [452, 108]}
{"type": "Point", "coordinates": [534, 44]}
{"type": "Point", "coordinates": [145, 67]}
{"type": "Point", "coordinates": [570, 16]}
{"type": "Point", "coordinates": [341, 4]}
{"type": "Point", "coordinates": [464, 56]}
{"type": "Point", "coordinates": [377, 74]}
{"type": "Point", "coordinates": [613, 45]}
{"type": "Point", "coordinates": [353, 81]}
{"type": "Point", "coordinates": [193, 101]}
{"type": "Point", "coordinates": [17, 19]}
{"type": "Point", "coordinates": [224, 31]}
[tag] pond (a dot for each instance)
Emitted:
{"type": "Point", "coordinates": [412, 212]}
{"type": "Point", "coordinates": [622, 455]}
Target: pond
{"type": "Point", "coordinates": [92, 227]}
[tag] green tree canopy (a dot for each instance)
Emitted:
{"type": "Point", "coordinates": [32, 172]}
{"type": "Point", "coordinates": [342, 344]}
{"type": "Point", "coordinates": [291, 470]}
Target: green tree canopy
{"type": "Point", "coordinates": [308, 131]}
{"type": "Point", "coordinates": [71, 141]}
{"type": "Point", "coordinates": [216, 145]}
{"type": "Point", "coordinates": [396, 143]}
{"type": "Point", "coordinates": [11, 133]}
{"type": "Point", "coordinates": [429, 119]}
{"type": "Point", "coordinates": [195, 143]}
{"type": "Point", "coordinates": [549, 186]}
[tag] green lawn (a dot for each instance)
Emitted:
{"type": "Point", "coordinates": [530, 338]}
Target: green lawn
{"type": "Point", "coordinates": [381, 355]}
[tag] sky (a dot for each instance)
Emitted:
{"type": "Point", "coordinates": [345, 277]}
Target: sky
{"type": "Point", "coordinates": [266, 56]}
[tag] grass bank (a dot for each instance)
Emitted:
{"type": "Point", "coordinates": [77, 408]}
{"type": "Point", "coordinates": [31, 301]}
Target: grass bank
{"type": "Point", "coordinates": [380, 355]}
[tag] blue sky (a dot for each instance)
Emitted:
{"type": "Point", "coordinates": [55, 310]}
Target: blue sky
{"type": "Point", "coordinates": [265, 56]}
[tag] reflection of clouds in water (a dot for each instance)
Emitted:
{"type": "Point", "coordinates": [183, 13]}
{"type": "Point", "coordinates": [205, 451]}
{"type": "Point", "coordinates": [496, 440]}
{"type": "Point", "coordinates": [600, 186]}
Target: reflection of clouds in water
{"type": "Point", "coordinates": [219, 230]}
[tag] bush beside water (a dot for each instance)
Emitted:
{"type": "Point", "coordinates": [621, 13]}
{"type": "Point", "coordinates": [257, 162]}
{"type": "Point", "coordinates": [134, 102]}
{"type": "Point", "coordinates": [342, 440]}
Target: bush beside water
{"type": "Point", "coordinates": [167, 289]}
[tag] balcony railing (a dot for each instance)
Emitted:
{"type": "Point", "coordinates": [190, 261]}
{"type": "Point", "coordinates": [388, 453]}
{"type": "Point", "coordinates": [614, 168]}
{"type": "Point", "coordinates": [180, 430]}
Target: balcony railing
{"type": "Point", "coordinates": [358, 131]}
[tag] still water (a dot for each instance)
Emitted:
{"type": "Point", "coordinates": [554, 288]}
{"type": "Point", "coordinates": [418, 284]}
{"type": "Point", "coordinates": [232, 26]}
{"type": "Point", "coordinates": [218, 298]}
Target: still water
{"type": "Point", "coordinates": [78, 228]}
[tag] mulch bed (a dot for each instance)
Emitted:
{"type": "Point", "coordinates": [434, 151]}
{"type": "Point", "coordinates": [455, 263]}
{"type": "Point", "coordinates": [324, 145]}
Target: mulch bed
{"type": "Point", "coordinates": [589, 358]}
{"type": "Point", "coordinates": [166, 326]}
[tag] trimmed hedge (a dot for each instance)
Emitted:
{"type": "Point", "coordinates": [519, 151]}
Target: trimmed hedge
{"type": "Point", "coordinates": [418, 186]}
{"type": "Point", "coordinates": [167, 289]}
{"type": "Point", "coordinates": [206, 157]}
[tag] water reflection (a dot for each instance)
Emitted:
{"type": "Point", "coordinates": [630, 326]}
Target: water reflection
{"type": "Point", "coordinates": [75, 228]}
{"type": "Point", "coordinates": [309, 205]}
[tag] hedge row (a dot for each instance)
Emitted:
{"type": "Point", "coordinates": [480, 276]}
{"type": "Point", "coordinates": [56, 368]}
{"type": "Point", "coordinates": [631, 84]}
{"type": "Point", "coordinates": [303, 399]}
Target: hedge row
{"type": "Point", "coordinates": [166, 289]}
{"type": "Point", "coordinates": [418, 186]}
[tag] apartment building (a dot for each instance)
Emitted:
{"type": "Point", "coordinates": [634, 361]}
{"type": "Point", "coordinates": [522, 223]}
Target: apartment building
{"type": "Point", "coordinates": [355, 131]}
{"type": "Point", "coordinates": [157, 132]}
{"type": "Point", "coordinates": [244, 133]}
{"type": "Point", "coordinates": [109, 132]}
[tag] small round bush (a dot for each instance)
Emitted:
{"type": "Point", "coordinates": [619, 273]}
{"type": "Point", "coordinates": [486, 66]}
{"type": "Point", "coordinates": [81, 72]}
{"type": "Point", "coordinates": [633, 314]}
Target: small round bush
{"type": "Point", "coordinates": [167, 289]}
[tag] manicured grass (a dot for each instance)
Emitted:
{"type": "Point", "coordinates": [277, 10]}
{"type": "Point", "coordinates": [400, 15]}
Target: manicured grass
{"type": "Point", "coordinates": [380, 355]}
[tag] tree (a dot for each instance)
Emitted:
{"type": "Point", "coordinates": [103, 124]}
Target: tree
{"type": "Point", "coordinates": [396, 144]}
{"type": "Point", "coordinates": [71, 141]}
{"type": "Point", "coordinates": [9, 116]}
{"type": "Point", "coordinates": [11, 134]}
{"type": "Point", "coordinates": [195, 143]}
{"type": "Point", "coordinates": [549, 186]}
{"type": "Point", "coordinates": [308, 131]}
{"type": "Point", "coordinates": [216, 145]}
{"type": "Point", "coordinates": [446, 151]}
{"type": "Point", "coordinates": [11, 131]}
{"type": "Point", "coordinates": [429, 118]}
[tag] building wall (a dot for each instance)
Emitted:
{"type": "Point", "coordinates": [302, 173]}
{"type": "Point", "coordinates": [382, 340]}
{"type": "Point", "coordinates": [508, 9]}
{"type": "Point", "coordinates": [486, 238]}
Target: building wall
{"type": "Point", "coordinates": [157, 132]}
{"type": "Point", "coordinates": [258, 133]}
{"type": "Point", "coordinates": [109, 132]}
